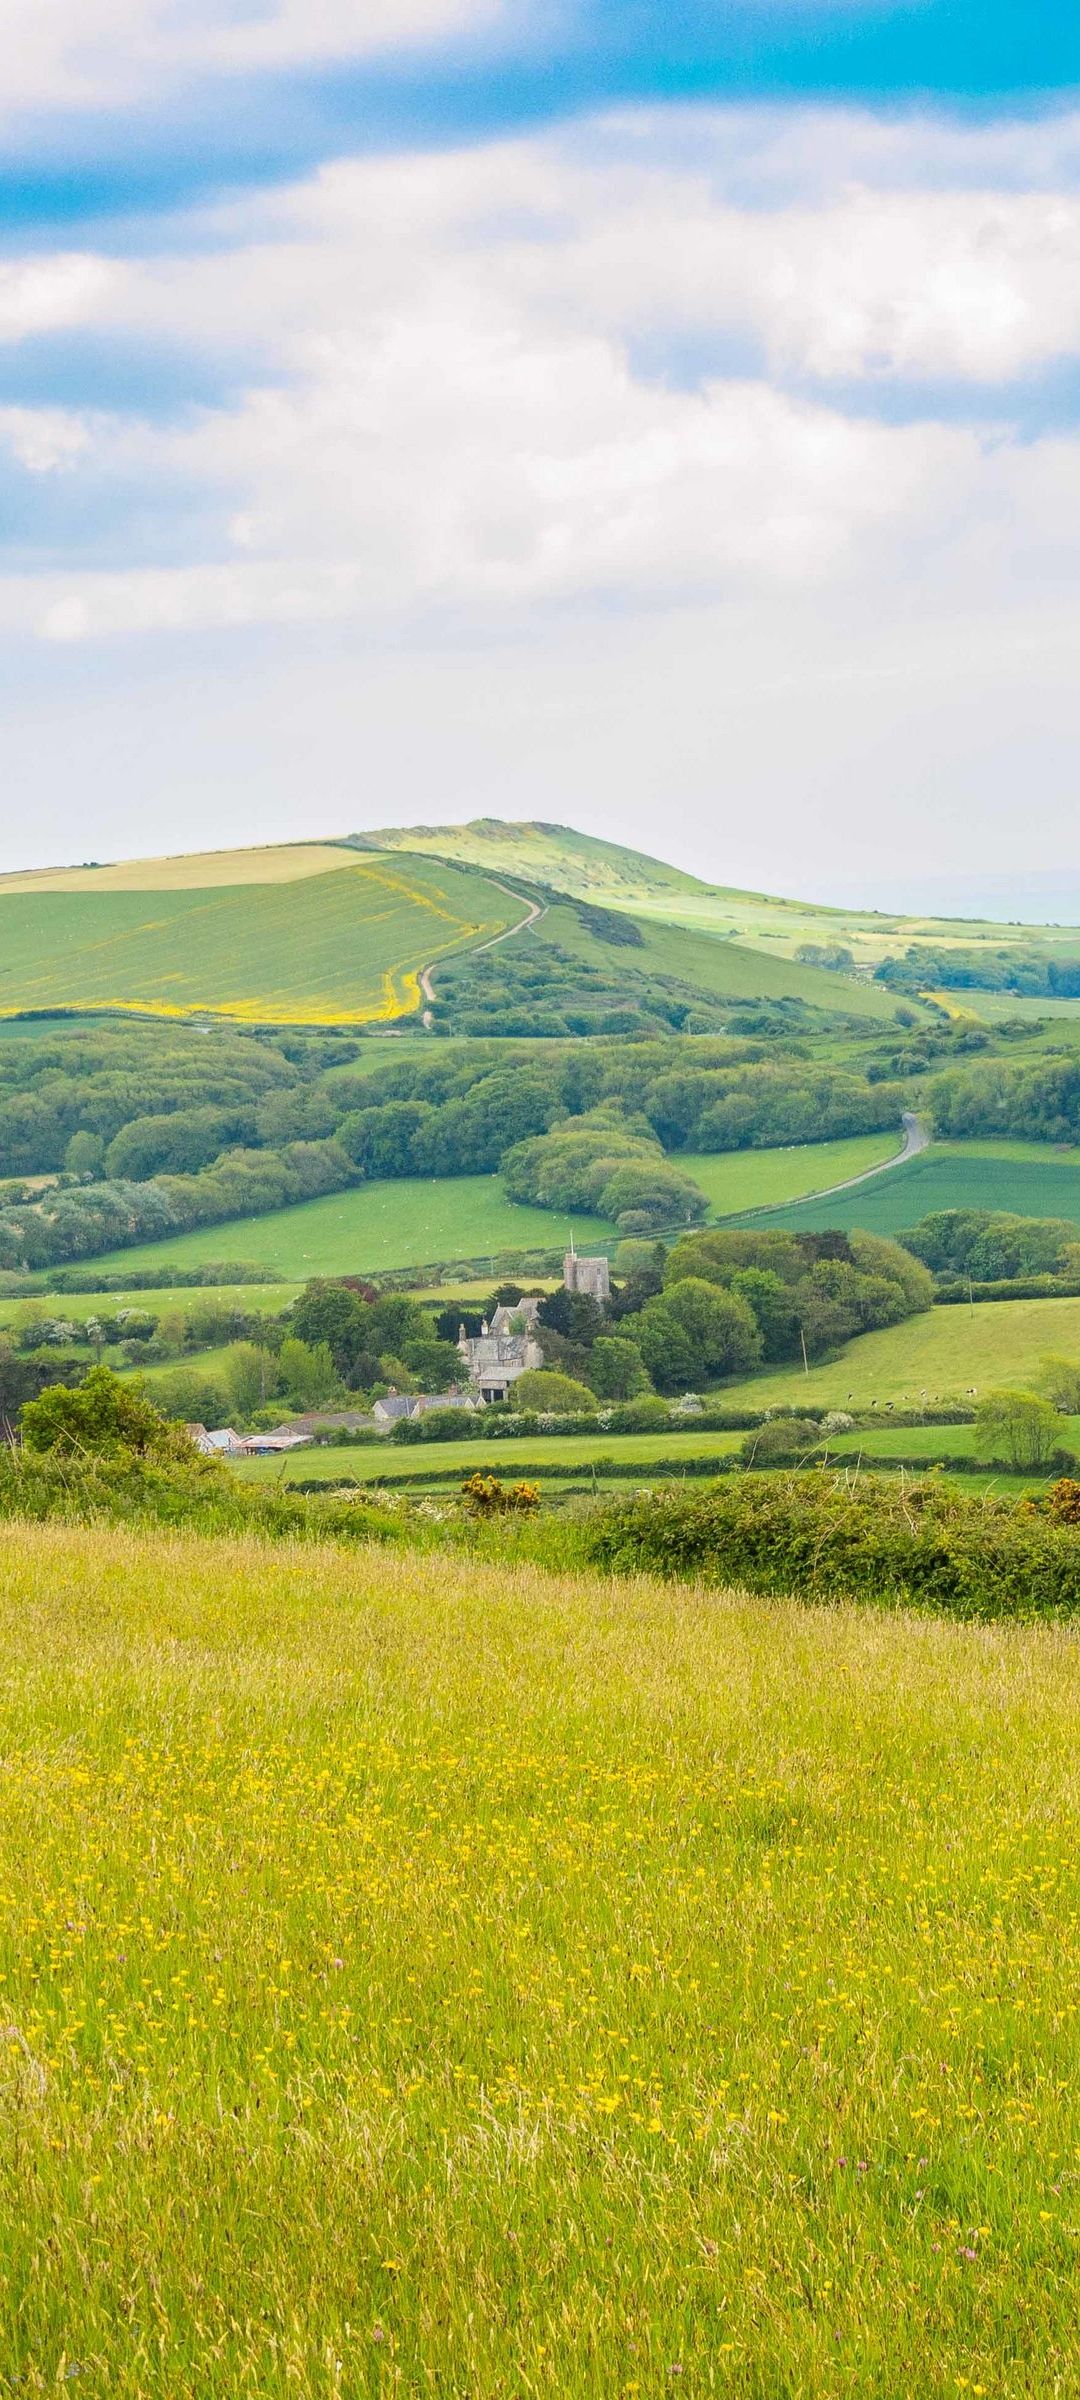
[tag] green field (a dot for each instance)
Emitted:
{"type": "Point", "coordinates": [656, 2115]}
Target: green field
{"type": "Point", "coordinates": [717, 967]}
{"type": "Point", "coordinates": [434, 1461]}
{"type": "Point", "coordinates": [381, 1225]}
{"type": "Point", "coordinates": [338, 948]}
{"type": "Point", "coordinates": [735, 1181]}
{"type": "Point", "coordinates": [1029, 1178]}
{"type": "Point", "coordinates": [944, 1355]}
{"type": "Point", "coordinates": [257, 1299]}
{"type": "Point", "coordinates": [406, 1222]}
{"type": "Point", "coordinates": [490, 1983]}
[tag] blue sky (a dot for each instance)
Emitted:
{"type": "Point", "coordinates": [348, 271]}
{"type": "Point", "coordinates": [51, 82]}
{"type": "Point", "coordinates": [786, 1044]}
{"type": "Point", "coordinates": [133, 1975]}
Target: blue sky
{"type": "Point", "coordinates": [669, 420]}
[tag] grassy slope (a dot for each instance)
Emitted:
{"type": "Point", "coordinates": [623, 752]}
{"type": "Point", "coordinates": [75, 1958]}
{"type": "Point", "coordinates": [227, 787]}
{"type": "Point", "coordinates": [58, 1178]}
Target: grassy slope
{"type": "Point", "coordinates": [382, 1225]}
{"type": "Point", "coordinates": [1032, 1179]}
{"type": "Point", "coordinates": [938, 1356]}
{"type": "Point", "coordinates": [264, 1299]}
{"type": "Point", "coordinates": [721, 969]}
{"type": "Point", "coordinates": [341, 948]}
{"type": "Point", "coordinates": [498, 1983]}
{"type": "Point", "coordinates": [603, 871]}
{"type": "Point", "coordinates": [406, 1223]}
{"type": "Point", "coordinates": [745, 1179]}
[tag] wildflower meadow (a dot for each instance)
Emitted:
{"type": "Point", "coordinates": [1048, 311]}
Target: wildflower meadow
{"type": "Point", "coordinates": [423, 1976]}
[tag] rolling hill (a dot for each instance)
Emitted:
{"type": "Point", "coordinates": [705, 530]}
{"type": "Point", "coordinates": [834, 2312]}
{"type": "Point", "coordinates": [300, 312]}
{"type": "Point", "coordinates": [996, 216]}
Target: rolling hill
{"type": "Point", "coordinates": [340, 932]}
{"type": "Point", "coordinates": [343, 947]}
{"type": "Point", "coordinates": [590, 869]}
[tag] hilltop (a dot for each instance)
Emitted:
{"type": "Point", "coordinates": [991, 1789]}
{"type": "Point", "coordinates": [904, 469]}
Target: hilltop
{"type": "Point", "coordinates": [493, 928]}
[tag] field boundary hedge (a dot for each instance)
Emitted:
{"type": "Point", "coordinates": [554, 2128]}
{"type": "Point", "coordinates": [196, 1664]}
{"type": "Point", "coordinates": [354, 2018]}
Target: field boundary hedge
{"type": "Point", "coordinates": [825, 1537]}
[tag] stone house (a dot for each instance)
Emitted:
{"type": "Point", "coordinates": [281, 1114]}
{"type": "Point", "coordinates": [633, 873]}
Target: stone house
{"type": "Point", "coordinates": [495, 1357]}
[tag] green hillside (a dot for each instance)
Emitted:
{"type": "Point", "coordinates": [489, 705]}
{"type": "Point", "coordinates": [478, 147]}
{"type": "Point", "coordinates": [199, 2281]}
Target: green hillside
{"type": "Point", "coordinates": [712, 964]}
{"type": "Point", "coordinates": [947, 1354]}
{"type": "Point", "coordinates": [1027, 1178]}
{"type": "Point", "coordinates": [589, 869]}
{"type": "Point", "coordinates": [429, 1976]}
{"type": "Point", "coordinates": [340, 948]}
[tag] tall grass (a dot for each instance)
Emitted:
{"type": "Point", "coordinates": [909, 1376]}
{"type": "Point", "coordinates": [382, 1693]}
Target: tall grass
{"type": "Point", "coordinates": [476, 1982]}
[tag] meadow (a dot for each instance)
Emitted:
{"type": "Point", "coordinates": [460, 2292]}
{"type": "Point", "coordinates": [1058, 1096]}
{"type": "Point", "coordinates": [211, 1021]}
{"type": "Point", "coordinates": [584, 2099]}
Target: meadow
{"type": "Point", "coordinates": [502, 1982]}
{"type": "Point", "coordinates": [262, 1299]}
{"type": "Point", "coordinates": [341, 948]}
{"type": "Point", "coordinates": [397, 1223]}
{"type": "Point", "coordinates": [405, 1222]}
{"type": "Point", "coordinates": [450, 1462]}
{"type": "Point", "coordinates": [1031, 1179]}
{"type": "Point", "coordinates": [944, 1355]}
{"type": "Point", "coordinates": [719, 967]}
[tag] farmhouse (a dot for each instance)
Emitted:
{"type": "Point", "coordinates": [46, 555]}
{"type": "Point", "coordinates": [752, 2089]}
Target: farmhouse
{"type": "Point", "coordinates": [496, 1356]}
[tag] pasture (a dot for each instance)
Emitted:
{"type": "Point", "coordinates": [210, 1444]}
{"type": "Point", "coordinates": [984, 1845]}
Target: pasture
{"type": "Point", "coordinates": [940, 1356]}
{"type": "Point", "coordinates": [494, 1982]}
{"type": "Point", "coordinates": [397, 1223]}
{"type": "Point", "coordinates": [174, 1300]}
{"type": "Point", "coordinates": [1032, 1179]}
{"type": "Point", "coordinates": [342, 948]}
{"type": "Point", "coordinates": [449, 1462]}
{"type": "Point", "coordinates": [405, 1222]}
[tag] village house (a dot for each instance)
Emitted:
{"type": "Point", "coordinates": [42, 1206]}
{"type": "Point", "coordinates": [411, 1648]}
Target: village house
{"type": "Point", "coordinates": [495, 1357]}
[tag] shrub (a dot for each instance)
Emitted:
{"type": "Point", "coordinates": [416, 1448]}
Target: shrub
{"type": "Point", "coordinates": [829, 1537]}
{"type": "Point", "coordinates": [551, 1394]}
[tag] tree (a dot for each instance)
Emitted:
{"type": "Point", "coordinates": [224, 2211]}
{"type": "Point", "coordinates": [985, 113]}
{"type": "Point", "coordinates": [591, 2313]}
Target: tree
{"type": "Point", "coordinates": [1060, 1378]}
{"type": "Point", "coordinates": [1018, 1427]}
{"type": "Point", "coordinates": [617, 1370]}
{"type": "Point", "coordinates": [695, 1333]}
{"type": "Point", "coordinates": [327, 1312]}
{"type": "Point", "coordinates": [308, 1373]}
{"type": "Point", "coordinates": [102, 1418]}
{"type": "Point", "coordinates": [85, 1154]}
{"type": "Point", "coordinates": [551, 1394]}
{"type": "Point", "coordinates": [253, 1376]}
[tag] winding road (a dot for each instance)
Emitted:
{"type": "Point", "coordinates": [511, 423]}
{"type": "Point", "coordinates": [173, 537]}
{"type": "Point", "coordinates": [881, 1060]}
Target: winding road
{"type": "Point", "coordinates": [535, 910]}
{"type": "Point", "coordinates": [916, 1139]}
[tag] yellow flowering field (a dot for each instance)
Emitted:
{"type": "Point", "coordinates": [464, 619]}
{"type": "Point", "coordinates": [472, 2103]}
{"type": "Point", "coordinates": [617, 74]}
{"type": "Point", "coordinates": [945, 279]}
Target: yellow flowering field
{"type": "Point", "coordinates": [471, 1982]}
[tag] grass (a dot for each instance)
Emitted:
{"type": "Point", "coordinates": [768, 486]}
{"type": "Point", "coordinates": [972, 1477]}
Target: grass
{"type": "Point", "coordinates": [736, 1181]}
{"type": "Point", "coordinates": [202, 870]}
{"type": "Point", "coordinates": [341, 948]}
{"type": "Point", "coordinates": [379, 1226]}
{"type": "Point", "coordinates": [719, 968]}
{"type": "Point", "coordinates": [1029, 1178]}
{"type": "Point", "coordinates": [942, 1355]}
{"type": "Point", "coordinates": [406, 1222]}
{"type": "Point", "coordinates": [569, 861]}
{"type": "Point", "coordinates": [435, 1461]}
{"type": "Point", "coordinates": [494, 1983]}
{"type": "Point", "coordinates": [262, 1299]}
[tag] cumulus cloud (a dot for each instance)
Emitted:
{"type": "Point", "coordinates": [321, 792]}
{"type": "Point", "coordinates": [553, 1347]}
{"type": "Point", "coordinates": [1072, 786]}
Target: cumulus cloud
{"type": "Point", "coordinates": [458, 418]}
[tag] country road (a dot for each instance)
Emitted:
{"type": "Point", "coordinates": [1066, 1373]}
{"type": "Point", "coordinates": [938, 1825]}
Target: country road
{"type": "Point", "coordinates": [916, 1139]}
{"type": "Point", "coordinates": [533, 914]}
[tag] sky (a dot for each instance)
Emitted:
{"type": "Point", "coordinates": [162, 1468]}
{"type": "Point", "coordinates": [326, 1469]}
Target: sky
{"type": "Point", "coordinates": [661, 420]}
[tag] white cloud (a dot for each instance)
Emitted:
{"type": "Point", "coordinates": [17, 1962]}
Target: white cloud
{"type": "Point", "coordinates": [65, 53]}
{"type": "Point", "coordinates": [41, 295]}
{"type": "Point", "coordinates": [458, 420]}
